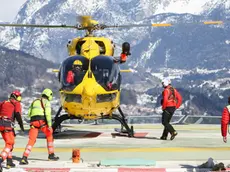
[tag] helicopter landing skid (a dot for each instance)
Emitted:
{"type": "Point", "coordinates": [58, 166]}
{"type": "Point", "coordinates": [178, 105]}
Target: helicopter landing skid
{"type": "Point", "coordinates": [121, 118]}
{"type": "Point", "coordinates": [125, 129]}
{"type": "Point", "coordinates": [59, 119]}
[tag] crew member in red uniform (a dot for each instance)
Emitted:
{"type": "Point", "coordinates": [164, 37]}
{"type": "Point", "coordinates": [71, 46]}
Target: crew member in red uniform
{"type": "Point", "coordinates": [170, 102]}
{"type": "Point", "coordinates": [9, 110]}
{"type": "Point", "coordinates": [76, 68]}
{"type": "Point", "coordinates": [225, 121]}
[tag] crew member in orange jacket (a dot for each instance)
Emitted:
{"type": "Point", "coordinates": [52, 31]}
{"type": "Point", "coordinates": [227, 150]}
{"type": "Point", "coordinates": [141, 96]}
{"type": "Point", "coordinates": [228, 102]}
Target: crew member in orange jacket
{"type": "Point", "coordinates": [225, 121]}
{"type": "Point", "coordinates": [170, 102]}
{"type": "Point", "coordinates": [76, 68]}
{"type": "Point", "coordinates": [9, 110]}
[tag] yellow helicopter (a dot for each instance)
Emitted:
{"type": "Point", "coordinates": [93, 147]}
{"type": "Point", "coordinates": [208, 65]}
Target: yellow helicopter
{"type": "Point", "coordinates": [93, 91]}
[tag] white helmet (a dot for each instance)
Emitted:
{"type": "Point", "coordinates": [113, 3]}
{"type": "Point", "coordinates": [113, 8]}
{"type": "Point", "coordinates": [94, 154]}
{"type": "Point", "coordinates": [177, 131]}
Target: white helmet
{"type": "Point", "coordinates": [165, 82]}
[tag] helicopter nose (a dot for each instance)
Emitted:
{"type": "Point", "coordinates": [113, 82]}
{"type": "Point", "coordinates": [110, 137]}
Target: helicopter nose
{"type": "Point", "coordinates": [89, 90]}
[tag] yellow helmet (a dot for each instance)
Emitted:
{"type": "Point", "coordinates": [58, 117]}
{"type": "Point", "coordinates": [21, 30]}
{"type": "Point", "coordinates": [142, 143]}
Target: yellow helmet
{"type": "Point", "coordinates": [77, 62]}
{"type": "Point", "coordinates": [48, 93]}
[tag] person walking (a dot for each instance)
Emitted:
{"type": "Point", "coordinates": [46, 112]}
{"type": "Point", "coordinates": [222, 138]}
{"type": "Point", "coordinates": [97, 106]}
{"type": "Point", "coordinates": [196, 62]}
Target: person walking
{"type": "Point", "coordinates": [225, 121]}
{"type": "Point", "coordinates": [171, 100]}
{"type": "Point", "coordinates": [9, 111]}
{"type": "Point", "coordinates": [40, 119]}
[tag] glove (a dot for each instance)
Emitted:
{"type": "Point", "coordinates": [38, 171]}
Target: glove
{"type": "Point", "coordinates": [225, 139]}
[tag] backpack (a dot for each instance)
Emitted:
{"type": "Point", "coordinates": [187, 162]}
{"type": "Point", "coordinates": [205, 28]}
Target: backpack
{"type": "Point", "coordinates": [1, 105]}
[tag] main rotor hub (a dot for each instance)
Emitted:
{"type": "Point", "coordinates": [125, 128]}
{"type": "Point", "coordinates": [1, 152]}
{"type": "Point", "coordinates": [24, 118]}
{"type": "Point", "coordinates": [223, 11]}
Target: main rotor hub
{"type": "Point", "coordinates": [88, 24]}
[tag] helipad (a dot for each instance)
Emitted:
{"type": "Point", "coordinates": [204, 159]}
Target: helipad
{"type": "Point", "coordinates": [192, 147]}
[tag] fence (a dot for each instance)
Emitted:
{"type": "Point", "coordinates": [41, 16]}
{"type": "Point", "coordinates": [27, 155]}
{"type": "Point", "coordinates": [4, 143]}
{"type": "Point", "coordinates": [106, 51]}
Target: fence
{"type": "Point", "coordinates": [155, 119]}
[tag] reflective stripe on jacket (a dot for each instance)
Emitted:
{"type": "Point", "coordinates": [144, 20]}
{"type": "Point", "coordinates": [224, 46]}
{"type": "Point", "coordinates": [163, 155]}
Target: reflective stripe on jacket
{"type": "Point", "coordinates": [36, 110]}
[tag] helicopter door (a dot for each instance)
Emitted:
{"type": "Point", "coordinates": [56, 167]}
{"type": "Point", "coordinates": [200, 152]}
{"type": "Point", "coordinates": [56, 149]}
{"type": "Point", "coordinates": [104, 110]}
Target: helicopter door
{"type": "Point", "coordinates": [70, 77]}
{"type": "Point", "coordinates": [106, 72]}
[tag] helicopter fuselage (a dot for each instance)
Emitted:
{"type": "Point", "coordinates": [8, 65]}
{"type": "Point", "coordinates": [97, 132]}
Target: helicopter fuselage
{"type": "Point", "coordinates": [96, 89]}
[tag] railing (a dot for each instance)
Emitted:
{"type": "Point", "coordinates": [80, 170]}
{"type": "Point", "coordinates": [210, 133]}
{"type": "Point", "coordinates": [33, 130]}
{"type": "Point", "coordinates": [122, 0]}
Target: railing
{"type": "Point", "coordinates": [155, 119]}
{"type": "Point", "coordinates": [178, 119]}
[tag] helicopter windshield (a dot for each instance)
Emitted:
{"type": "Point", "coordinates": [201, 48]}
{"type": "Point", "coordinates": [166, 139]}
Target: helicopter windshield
{"type": "Point", "coordinates": [106, 72]}
{"type": "Point", "coordinates": [73, 70]}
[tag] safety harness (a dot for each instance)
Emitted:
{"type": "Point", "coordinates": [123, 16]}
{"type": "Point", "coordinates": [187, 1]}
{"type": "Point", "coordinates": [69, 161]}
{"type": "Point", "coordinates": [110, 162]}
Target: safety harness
{"type": "Point", "coordinates": [172, 96]}
{"type": "Point", "coordinates": [42, 105]}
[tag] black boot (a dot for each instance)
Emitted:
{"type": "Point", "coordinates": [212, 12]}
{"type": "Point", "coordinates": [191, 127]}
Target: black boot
{"type": "Point", "coordinates": [1, 161]}
{"type": "Point", "coordinates": [24, 161]}
{"type": "Point", "coordinates": [163, 138]}
{"type": "Point", "coordinates": [53, 157]}
{"type": "Point", "coordinates": [9, 163]}
{"type": "Point", "coordinates": [173, 135]}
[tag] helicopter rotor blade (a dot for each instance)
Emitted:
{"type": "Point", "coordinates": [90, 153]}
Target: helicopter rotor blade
{"type": "Point", "coordinates": [140, 25]}
{"type": "Point", "coordinates": [92, 25]}
{"type": "Point", "coordinates": [38, 26]}
{"type": "Point", "coordinates": [163, 24]}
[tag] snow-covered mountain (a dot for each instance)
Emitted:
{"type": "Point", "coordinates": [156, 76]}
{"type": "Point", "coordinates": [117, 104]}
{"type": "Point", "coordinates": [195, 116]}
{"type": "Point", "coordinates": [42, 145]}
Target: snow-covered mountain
{"type": "Point", "coordinates": [50, 43]}
{"type": "Point", "coordinates": [195, 56]}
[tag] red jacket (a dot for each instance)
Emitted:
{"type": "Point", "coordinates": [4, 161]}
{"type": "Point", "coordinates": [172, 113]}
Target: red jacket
{"type": "Point", "coordinates": [9, 108]}
{"type": "Point", "coordinates": [169, 100]}
{"type": "Point", "coordinates": [70, 77]}
{"type": "Point", "coordinates": [225, 121]}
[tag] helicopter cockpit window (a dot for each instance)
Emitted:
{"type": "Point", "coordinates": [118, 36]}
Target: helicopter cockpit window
{"type": "Point", "coordinates": [106, 72]}
{"type": "Point", "coordinates": [73, 70]}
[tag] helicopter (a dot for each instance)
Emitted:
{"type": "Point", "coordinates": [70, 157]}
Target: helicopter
{"type": "Point", "coordinates": [95, 92]}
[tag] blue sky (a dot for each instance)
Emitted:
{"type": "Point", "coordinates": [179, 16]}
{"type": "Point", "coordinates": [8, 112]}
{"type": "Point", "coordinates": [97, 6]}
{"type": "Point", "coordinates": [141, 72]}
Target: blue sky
{"type": "Point", "coordinates": [9, 9]}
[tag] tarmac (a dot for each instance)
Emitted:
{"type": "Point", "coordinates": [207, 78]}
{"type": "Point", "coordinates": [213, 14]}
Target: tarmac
{"type": "Point", "coordinates": [193, 146]}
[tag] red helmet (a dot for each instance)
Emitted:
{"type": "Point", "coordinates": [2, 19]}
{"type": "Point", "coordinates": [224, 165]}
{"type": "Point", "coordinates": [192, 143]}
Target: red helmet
{"type": "Point", "coordinates": [16, 95]}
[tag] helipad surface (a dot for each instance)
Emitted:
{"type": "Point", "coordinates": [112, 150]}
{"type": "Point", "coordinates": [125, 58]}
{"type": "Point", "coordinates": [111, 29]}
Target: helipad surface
{"type": "Point", "coordinates": [192, 147]}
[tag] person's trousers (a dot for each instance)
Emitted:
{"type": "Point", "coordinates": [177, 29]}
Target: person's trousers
{"type": "Point", "coordinates": [166, 118]}
{"type": "Point", "coordinates": [33, 134]}
{"type": "Point", "coordinates": [9, 137]}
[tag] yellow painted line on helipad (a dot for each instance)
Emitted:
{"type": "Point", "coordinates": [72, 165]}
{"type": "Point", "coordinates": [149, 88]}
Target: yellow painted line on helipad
{"type": "Point", "coordinates": [115, 149]}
